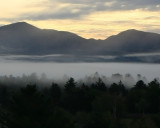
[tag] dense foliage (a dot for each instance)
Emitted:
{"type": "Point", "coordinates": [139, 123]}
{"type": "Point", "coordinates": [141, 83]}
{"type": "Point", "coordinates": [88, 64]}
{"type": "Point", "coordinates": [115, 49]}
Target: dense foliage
{"type": "Point", "coordinates": [80, 106]}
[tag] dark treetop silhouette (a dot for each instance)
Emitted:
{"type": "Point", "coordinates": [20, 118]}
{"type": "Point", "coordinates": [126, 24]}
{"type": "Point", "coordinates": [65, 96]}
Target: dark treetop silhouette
{"type": "Point", "coordinates": [83, 106]}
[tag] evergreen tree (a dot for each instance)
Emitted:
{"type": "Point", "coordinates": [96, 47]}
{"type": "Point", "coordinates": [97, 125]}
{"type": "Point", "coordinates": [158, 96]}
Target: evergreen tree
{"type": "Point", "coordinates": [70, 85]}
{"type": "Point", "coordinates": [29, 109]}
{"type": "Point", "coordinates": [101, 85]}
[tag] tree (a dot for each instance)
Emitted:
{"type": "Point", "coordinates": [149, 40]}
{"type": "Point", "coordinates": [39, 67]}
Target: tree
{"type": "Point", "coordinates": [108, 108]}
{"type": "Point", "coordinates": [140, 85]}
{"type": "Point", "coordinates": [154, 96]}
{"type": "Point", "coordinates": [4, 96]}
{"type": "Point", "coordinates": [3, 117]}
{"type": "Point", "coordinates": [137, 99]}
{"type": "Point", "coordinates": [154, 84]}
{"type": "Point", "coordinates": [117, 89]}
{"type": "Point", "coordinates": [70, 85]}
{"type": "Point", "coordinates": [55, 93]}
{"type": "Point", "coordinates": [29, 109]}
{"type": "Point", "coordinates": [101, 85]}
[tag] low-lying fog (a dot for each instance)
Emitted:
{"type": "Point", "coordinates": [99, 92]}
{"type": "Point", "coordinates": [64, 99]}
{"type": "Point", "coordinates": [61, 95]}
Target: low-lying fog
{"type": "Point", "coordinates": [85, 71]}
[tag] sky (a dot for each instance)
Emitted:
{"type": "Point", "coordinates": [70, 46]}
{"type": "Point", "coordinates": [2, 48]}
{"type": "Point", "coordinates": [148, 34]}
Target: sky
{"type": "Point", "coordinates": [97, 19]}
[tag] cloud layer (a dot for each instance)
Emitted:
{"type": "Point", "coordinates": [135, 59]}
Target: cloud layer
{"type": "Point", "coordinates": [88, 18]}
{"type": "Point", "coordinates": [73, 9]}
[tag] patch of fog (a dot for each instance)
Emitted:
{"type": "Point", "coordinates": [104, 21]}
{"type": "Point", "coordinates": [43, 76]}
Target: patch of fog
{"type": "Point", "coordinates": [57, 58]}
{"type": "Point", "coordinates": [107, 57]}
{"type": "Point", "coordinates": [13, 57]}
{"type": "Point", "coordinates": [142, 54]}
{"type": "Point", "coordinates": [82, 72]}
{"type": "Point", "coordinates": [61, 58]}
{"type": "Point", "coordinates": [42, 80]}
{"type": "Point", "coordinates": [128, 80]}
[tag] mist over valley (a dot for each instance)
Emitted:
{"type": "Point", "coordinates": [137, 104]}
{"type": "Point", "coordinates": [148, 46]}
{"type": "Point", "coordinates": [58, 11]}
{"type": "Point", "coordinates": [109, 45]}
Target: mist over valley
{"type": "Point", "coordinates": [26, 49]}
{"type": "Point", "coordinates": [80, 64]}
{"type": "Point", "coordinates": [81, 72]}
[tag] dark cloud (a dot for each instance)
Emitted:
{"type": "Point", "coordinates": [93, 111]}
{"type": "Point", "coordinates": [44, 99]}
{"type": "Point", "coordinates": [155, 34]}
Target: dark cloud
{"type": "Point", "coordinates": [86, 7]}
{"type": "Point", "coordinates": [60, 15]}
{"type": "Point", "coordinates": [152, 30]}
{"type": "Point", "coordinates": [117, 4]}
{"type": "Point", "coordinates": [72, 11]}
{"type": "Point", "coordinates": [135, 3]}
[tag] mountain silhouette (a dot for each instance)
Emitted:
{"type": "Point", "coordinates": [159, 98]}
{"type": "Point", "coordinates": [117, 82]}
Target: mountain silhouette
{"type": "Point", "coordinates": [24, 39]}
{"type": "Point", "coordinates": [133, 41]}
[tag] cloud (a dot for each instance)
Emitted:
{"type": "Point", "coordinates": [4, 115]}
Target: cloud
{"type": "Point", "coordinates": [75, 9]}
{"type": "Point", "coordinates": [2, 25]}
{"type": "Point", "coordinates": [64, 12]}
{"type": "Point", "coordinates": [116, 4]}
{"type": "Point", "coordinates": [152, 17]}
{"type": "Point", "coordinates": [88, 18]}
{"type": "Point", "coordinates": [154, 30]}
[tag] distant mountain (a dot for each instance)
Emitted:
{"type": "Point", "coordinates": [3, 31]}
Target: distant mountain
{"type": "Point", "coordinates": [24, 39]}
{"type": "Point", "coordinates": [133, 41]}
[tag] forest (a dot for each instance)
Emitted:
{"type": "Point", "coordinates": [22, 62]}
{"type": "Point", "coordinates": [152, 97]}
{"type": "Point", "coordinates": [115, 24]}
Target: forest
{"type": "Point", "coordinates": [73, 105]}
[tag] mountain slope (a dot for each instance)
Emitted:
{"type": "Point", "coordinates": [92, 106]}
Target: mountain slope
{"type": "Point", "coordinates": [133, 41]}
{"type": "Point", "coordinates": [24, 39]}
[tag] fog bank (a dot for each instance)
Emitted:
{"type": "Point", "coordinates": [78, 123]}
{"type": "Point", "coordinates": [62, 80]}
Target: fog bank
{"type": "Point", "coordinates": [42, 80]}
{"type": "Point", "coordinates": [79, 70]}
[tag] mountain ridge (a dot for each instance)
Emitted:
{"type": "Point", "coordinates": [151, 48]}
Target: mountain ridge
{"type": "Point", "coordinates": [24, 39]}
{"type": "Point", "coordinates": [27, 25]}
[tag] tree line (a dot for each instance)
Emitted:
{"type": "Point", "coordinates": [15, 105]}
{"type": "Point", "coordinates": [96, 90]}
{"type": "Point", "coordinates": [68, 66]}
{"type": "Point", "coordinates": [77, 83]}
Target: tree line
{"type": "Point", "coordinates": [81, 106]}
